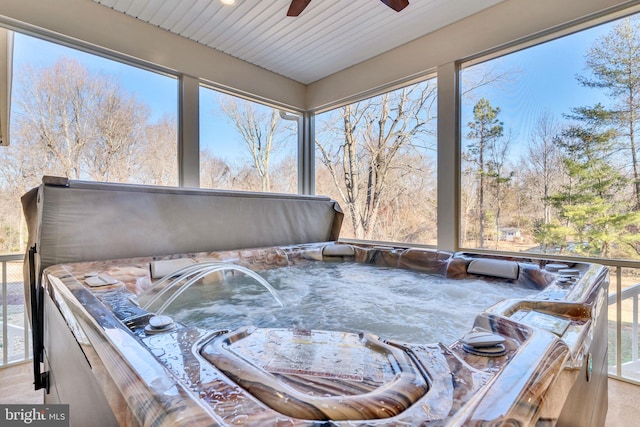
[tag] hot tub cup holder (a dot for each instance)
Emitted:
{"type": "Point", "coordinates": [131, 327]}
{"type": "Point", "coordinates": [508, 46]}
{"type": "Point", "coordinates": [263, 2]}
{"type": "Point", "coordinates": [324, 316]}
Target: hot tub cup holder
{"type": "Point", "coordinates": [569, 272]}
{"type": "Point", "coordinates": [554, 267]}
{"type": "Point", "coordinates": [567, 276]}
{"type": "Point", "coordinates": [158, 324]}
{"type": "Point", "coordinates": [483, 343]}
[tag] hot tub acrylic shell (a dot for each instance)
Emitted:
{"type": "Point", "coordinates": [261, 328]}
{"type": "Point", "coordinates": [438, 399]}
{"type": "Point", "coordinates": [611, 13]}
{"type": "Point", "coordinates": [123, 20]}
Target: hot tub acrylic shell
{"type": "Point", "coordinates": [101, 361]}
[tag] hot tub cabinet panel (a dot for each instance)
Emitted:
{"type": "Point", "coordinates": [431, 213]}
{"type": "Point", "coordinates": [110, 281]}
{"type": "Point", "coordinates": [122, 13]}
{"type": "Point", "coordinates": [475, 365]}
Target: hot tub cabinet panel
{"type": "Point", "coordinates": [553, 371]}
{"type": "Point", "coordinates": [73, 378]}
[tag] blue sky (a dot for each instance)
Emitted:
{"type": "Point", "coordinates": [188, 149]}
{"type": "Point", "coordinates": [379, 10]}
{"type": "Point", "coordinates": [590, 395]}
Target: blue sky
{"type": "Point", "coordinates": [158, 91]}
{"type": "Point", "coordinates": [542, 79]}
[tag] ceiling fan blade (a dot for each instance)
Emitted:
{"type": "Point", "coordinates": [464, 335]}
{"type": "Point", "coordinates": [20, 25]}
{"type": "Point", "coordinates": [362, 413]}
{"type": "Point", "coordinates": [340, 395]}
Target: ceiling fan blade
{"type": "Point", "coordinates": [396, 5]}
{"type": "Point", "coordinates": [297, 6]}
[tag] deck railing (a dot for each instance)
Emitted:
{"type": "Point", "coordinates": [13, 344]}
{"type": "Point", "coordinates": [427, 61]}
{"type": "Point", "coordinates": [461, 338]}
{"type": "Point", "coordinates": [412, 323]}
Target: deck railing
{"type": "Point", "coordinates": [616, 299]}
{"type": "Point", "coordinates": [626, 364]}
{"type": "Point", "coordinates": [15, 333]}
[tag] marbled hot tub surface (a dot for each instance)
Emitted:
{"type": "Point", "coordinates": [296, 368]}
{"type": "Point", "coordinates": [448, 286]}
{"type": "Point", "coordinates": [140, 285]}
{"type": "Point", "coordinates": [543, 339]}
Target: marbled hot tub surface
{"type": "Point", "coordinates": [302, 375]}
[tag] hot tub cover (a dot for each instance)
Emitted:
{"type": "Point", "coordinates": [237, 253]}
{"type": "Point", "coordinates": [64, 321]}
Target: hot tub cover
{"type": "Point", "coordinates": [74, 221]}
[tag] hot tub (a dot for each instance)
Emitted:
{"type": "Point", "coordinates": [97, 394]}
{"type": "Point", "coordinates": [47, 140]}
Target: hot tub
{"type": "Point", "coordinates": [531, 360]}
{"type": "Point", "coordinates": [149, 307]}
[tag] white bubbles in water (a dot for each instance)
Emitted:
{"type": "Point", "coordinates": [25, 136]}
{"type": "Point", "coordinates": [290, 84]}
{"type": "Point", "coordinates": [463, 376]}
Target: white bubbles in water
{"type": "Point", "coordinates": [392, 303]}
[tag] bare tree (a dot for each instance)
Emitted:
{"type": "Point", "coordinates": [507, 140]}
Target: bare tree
{"type": "Point", "coordinates": [120, 130]}
{"type": "Point", "coordinates": [286, 172]}
{"type": "Point", "coordinates": [77, 123]}
{"type": "Point", "coordinates": [408, 211]}
{"type": "Point", "coordinates": [374, 133]}
{"type": "Point", "coordinates": [156, 155]}
{"type": "Point", "coordinates": [71, 122]}
{"type": "Point", "coordinates": [483, 75]}
{"type": "Point", "coordinates": [468, 202]}
{"type": "Point", "coordinates": [214, 171]}
{"type": "Point", "coordinates": [542, 163]}
{"type": "Point", "coordinates": [258, 130]}
{"type": "Point", "coordinates": [55, 109]}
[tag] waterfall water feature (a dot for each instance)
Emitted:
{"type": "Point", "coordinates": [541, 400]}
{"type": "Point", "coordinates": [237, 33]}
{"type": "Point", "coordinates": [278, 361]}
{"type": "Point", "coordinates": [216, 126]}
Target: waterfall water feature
{"type": "Point", "coordinates": [192, 274]}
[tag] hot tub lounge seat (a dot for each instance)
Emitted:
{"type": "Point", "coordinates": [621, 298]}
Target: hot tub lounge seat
{"type": "Point", "coordinates": [275, 366]}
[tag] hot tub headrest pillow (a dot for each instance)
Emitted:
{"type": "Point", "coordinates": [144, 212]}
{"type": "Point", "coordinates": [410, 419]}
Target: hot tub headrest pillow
{"type": "Point", "coordinates": [494, 267]}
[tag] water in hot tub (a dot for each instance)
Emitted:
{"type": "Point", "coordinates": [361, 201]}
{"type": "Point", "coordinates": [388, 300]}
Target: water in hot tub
{"type": "Point", "coordinates": [392, 303]}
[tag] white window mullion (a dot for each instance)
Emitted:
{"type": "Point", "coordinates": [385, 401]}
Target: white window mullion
{"type": "Point", "coordinates": [189, 132]}
{"type": "Point", "coordinates": [448, 158]}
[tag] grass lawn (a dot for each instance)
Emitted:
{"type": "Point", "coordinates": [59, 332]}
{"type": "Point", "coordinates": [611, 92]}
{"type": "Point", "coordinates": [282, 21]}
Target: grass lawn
{"type": "Point", "coordinates": [626, 342]}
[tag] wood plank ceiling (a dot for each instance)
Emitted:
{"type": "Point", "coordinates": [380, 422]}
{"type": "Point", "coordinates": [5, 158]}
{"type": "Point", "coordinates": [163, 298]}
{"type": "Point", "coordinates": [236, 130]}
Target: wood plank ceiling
{"type": "Point", "coordinates": [328, 36]}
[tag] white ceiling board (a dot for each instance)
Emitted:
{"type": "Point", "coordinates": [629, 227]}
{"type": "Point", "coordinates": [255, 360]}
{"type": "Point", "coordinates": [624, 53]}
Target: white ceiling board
{"type": "Point", "coordinates": [328, 36]}
{"type": "Point", "coordinates": [87, 24]}
{"type": "Point", "coordinates": [494, 28]}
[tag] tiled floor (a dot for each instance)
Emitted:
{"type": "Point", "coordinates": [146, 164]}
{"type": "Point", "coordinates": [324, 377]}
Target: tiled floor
{"type": "Point", "coordinates": [624, 404]}
{"type": "Point", "coordinates": [16, 385]}
{"type": "Point", "coordinates": [624, 398]}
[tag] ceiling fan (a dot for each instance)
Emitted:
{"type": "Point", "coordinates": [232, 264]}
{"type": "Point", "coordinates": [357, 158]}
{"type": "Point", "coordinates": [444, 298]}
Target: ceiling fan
{"type": "Point", "coordinates": [297, 6]}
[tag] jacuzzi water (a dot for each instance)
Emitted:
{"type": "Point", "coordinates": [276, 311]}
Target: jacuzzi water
{"type": "Point", "coordinates": [392, 303]}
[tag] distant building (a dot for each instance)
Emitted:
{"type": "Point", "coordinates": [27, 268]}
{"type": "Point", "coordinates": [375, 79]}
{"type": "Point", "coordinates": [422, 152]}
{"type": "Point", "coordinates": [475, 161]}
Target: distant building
{"type": "Point", "coordinates": [510, 234]}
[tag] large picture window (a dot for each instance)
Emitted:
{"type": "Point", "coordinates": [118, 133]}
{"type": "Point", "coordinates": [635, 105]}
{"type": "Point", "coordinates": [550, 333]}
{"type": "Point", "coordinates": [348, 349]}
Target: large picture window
{"type": "Point", "coordinates": [377, 158]}
{"type": "Point", "coordinates": [82, 116]}
{"type": "Point", "coordinates": [550, 149]}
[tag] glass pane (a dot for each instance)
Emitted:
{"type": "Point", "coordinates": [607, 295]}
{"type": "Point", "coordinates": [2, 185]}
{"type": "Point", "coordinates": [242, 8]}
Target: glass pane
{"type": "Point", "coordinates": [245, 145]}
{"type": "Point", "coordinates": [84, 117]}
{"type": "Point", "coordinates": [549, 157]}
{"type": "Point", "coordinates": [377, 158]}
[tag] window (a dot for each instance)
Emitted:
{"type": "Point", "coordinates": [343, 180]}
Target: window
{"type": "Point", "coordinates": [245, 145]}
{"type": "Point", "coordinates": [377, 158]}
{"type": "Point", "coordinates": [549, 149]}
{"type": "Point", "coordinates": [85, 117]}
